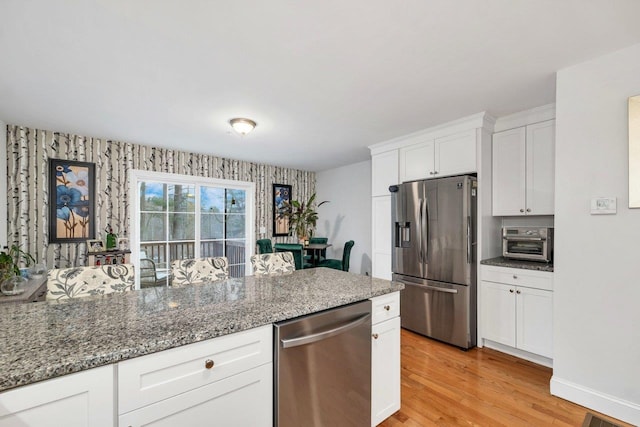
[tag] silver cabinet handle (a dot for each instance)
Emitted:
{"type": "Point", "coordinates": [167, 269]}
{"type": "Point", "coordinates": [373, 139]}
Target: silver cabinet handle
{"type": "Point", "coordinates": [375, 336]}
{"type": "Point", "coordinates": [327, 333]}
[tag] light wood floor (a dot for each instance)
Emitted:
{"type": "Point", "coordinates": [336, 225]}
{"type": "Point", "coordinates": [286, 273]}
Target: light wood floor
{"type": "Point", "coordinates": [445, 386]}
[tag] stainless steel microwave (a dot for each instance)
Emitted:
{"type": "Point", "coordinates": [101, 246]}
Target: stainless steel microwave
{"type": "Point", "coordinates": [528, 243]}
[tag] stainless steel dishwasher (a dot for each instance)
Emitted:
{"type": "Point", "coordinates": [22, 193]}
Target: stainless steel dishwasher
{"type": "Point", "coordinates": [322, 374]}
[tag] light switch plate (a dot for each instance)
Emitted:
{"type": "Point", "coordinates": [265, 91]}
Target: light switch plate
{"type": "Point", "coordinates": [603, 206]}
{"type": "Point", "coordinates": [263, 230]}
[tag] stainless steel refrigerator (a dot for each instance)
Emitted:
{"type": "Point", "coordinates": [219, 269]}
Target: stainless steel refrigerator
{"type": "Point", "coordinates": [434, 247]}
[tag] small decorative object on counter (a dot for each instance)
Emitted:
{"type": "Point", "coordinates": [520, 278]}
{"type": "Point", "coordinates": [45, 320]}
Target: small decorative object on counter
{"type": "Point", "coordinates": [10, 271]}
{"type": "Point", "coordinates": [111, 238]}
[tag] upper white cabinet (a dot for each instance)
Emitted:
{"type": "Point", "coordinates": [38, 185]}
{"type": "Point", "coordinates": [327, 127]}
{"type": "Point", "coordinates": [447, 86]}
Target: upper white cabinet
{"type": "Point", "coordinates": [448, 155]}
{"type": "Point", "coordinates": [384, 172]}
{"type": "Point", "coordinates": [523, 170]}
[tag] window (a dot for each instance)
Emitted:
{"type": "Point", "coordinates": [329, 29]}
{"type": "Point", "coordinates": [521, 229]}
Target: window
{"type": "Point", "coordinates": [178, 217]}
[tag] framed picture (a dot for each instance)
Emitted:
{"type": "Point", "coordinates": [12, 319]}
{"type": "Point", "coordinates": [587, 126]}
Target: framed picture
{"type": "Point", "coordinates": [71, 201]}
{"type": "Point", "coordinates": [123, 244]}
{"type": "Point", "coordinates": [95, 246]}
{"type": "Point", "coordinates": [281, 207]}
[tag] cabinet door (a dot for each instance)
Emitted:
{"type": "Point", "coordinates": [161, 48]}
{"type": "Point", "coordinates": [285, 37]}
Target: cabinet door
{"type": "Point", "coordinates": [80, 399]}
{"type": "Point", "coordinates": [244, 399]}
{"type": "Point", "coordinates": [534, 321]}
{"type": "Point", "coordinates": [385, 369]}
{"type": "Point", "coordinates": [456, 154]}
{"type": "Point", "coordinates": [498, 312]}
{"type": "Point", "coordinates": [381, 237]}
{"type": "Point", "coordinates": [417, 161]}
{"type": "Point", "coordinates": [509, 177]}
{"type": "Point", "coordinates": [384, 172]}
{"type": "Point", "coordinates": [541, 168]}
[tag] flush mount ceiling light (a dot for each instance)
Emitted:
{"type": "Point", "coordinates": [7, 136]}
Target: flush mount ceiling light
{"type": "Point", "coordinates": [242, 126]}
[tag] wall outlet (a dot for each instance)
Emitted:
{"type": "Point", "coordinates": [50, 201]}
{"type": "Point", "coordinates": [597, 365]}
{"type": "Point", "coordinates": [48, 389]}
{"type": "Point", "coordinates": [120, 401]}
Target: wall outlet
{"type": "Point", "coordinates": [603, 206]}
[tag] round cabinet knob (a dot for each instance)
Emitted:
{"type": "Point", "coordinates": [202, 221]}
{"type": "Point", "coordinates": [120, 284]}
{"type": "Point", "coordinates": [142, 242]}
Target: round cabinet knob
{"type": "Point", "coordinates": [375, 336]}
{"type": "Point", "coordinates": [515, 277]}
{"type": "Point", "coordinates": [528, 209]}
{"type": "Point", "coordinates": [517, 292]}
{"type": "Point", "coordinates": [435, 172]}
{"type": "Point", "coordinates": [430, 173]}
{"type": "Point", "coordinates": [521, 210]}
{"type": "Point", "coordinates": [208, 364]}
{"type": "Point", "coordinates": [387, 307]}
{"type": "Point", "coordinates": [511, 290]}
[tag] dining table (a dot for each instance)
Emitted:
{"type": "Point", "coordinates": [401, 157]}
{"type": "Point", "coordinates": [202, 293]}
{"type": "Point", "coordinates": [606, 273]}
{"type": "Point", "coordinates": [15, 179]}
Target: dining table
{"type": "Point", "coordinates": [315, 250]}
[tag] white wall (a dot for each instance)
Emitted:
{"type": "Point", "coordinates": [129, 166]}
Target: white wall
{"type": "Point", "coordinates": [597, 258]}
{"type": "Point", "coordinates": [348, 215]}
{"type": "Point", "coordinates": [3, 183]}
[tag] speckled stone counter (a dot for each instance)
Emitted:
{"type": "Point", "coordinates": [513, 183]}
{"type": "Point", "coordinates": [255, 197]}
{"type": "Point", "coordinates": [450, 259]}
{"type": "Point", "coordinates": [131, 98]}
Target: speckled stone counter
{"type": "Point", "coordinates": [514, 263]}
{"type": "Point", "coordinates": [44, 340]}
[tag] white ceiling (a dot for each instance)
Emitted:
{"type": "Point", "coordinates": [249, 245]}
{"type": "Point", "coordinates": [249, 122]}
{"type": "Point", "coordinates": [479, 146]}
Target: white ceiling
{"type": "Point", "coordinates": [323, 79]}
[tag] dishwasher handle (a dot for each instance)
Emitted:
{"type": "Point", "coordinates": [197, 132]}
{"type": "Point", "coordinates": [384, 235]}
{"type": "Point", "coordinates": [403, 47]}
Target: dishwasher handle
{"type": "Point", "coordinates": [324, 334]}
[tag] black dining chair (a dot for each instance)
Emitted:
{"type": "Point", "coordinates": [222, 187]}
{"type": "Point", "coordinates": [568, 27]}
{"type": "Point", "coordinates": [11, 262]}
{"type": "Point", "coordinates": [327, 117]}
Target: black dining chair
{"type": "Point", "coordinates": [339, 264]}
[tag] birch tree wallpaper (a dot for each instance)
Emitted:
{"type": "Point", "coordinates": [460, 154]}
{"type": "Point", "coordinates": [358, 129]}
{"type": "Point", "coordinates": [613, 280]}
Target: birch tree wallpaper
{"type": "Point", "coordinates": [28, 153]}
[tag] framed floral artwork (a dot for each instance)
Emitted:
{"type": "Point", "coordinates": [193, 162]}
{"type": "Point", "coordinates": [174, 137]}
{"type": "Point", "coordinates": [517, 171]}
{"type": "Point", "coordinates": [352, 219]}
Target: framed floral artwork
{"type": "Point", "coordinates": [281, 207]}
{"type": "Point", "coordinates": [71, 201]}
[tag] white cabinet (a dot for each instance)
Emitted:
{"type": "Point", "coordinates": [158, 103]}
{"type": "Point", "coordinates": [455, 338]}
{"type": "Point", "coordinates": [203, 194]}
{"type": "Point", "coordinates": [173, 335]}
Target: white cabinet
{"type": "Point", "coordinates": [384, 172]}
{"type": "Point", "coordinates": [243, 399]}
{"type": "Point", "coordinates": [180, 386]}
{"type": "Point", "coordinates": [523, 170]}
{"type": "Point", "coordinates": [517, 308]}
{"type": "Point", "coordinates": [385, 357]}
{"type": "Point", "coordinates": [442, 156]}
{"type": "Point", "coordinates": [381, 237]}
{"type": "Point", "coordinates": [80, 399]}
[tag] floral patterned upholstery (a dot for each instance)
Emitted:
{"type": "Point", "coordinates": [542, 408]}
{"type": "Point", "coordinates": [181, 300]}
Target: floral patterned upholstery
{"type": "Point", "coordinates": [64, 283]}
{"type": "Point", "coordinates": [275, 263]}
{"type": "Point", "coordinates": [199, 270]}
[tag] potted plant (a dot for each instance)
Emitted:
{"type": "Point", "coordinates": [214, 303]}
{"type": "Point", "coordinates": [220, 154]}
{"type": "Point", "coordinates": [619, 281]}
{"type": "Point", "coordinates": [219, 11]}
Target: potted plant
{"type": "Point", "coordinates": [11, 280]}
{"type": "Point", "coordinates": [303, 217]}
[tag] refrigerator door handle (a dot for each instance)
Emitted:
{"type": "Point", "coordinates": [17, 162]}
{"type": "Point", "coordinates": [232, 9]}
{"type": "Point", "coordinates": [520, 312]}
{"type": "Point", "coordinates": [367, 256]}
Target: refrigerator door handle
{"type": "Point", "coordinates": [426, 226]}
{"type": "Point", "coordinates": [432, 288]}
{"type": "Point", "coordinates": [468, 239]}
{"type": "Point", "coordinates": [421, 231]}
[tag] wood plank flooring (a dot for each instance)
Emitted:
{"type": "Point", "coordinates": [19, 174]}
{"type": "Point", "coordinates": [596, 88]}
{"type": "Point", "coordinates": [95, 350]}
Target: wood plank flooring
{"type": "Point", "coordinates": [445, 386]}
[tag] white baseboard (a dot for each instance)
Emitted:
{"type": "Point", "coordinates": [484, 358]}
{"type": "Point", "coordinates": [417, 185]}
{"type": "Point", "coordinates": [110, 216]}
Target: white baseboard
{"type": "Point", "coordinates": [531, 357]}
{"type": "Point", "coordinates": [609, 405]}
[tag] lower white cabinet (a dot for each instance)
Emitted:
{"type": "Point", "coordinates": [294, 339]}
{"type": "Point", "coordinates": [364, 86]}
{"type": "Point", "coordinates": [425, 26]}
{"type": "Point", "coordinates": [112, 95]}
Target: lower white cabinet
{"type": "Point", "coordinates": [81, 399]}
{"type": "Point", "coordinates": [240, 400]}
{"type": "Point", "coordinates": [229, 376]}
{"type": "Point", "coordinates": [385, 358]}
{"type": "Point", "coordinates": [515, 313]}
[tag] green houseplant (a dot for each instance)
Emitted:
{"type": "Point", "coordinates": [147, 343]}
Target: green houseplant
{"type": "Point", "coordinates": [10, 280]}
{"type": "Point", "coordinates": [303, 217]}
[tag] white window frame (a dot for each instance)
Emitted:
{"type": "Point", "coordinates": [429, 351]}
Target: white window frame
{"type": "Point", "coordinates": [136, 175]}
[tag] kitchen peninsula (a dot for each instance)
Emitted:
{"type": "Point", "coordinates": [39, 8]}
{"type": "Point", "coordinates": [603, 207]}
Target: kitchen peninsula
{"type": "Point", "coordinates": [106, 337]}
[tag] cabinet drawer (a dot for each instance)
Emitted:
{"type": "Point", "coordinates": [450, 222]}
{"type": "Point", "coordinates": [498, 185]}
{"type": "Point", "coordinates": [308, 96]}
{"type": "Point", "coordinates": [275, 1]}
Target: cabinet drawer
{"type": "Point", "coordinates": [240, 400]}
{"type": "Point", "coordinates": [148, 379]}
{"type": "Point", "coordinates": [385, 307]}
{"type": "Point", "coordinates": [518, 277]}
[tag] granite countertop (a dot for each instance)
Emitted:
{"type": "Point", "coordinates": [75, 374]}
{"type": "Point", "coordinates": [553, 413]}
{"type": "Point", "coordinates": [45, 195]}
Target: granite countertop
{"type": "Point", "coordinates": [44, 340]}
{"type": "Point", "coordinates": [514, 263]}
